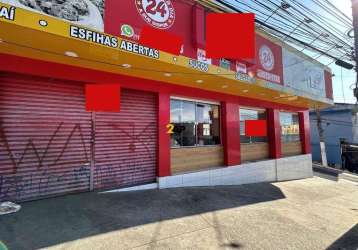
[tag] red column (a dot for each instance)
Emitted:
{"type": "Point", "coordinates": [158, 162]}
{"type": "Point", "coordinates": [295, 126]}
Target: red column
{"type": "Point", "coordinates": [163, 136]}
{"type": "Point", "coordinates": [274, 133]}
{"type": "Point", "coordinates": [305, 133]}
{"type": "Point", "coordinates": [231, 133]}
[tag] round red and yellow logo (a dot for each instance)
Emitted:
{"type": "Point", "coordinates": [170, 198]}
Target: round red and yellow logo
{"type": "Point", "coordinates": [267, 59]}
{"type": "Point", "coordinates": [158, 13]}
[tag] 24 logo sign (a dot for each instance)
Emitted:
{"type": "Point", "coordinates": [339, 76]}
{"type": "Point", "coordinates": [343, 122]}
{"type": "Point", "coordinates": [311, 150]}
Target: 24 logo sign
{"type": "Point", "coordinates": [158, 13]}
{"type": "Point", "coordinates": [267, 58]}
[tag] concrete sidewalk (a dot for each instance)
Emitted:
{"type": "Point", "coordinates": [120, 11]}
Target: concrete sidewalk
{"type": "Point", "coordinates": [304, 214]}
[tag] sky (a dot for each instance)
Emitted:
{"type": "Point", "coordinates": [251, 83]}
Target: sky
{"type": "Point", "coordinates": [343, 78]}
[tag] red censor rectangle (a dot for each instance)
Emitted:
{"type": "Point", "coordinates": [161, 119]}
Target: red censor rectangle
{"type": "Point", "coordinates": [103, 97]}
{"type": "Point", "coordinates": [161, 40]}
{"type": "Point", "coordinates": [230, 36]}
{"type": "Point", "coordinates": [255, 128]}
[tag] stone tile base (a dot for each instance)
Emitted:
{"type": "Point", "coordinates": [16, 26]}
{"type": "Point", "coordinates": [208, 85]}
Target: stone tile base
{"type": "Point", "coordinates": [288, 168]}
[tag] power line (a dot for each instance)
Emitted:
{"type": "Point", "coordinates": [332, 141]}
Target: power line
{"type": "Point", "coordinates": [283, 17]}
{"type": "Point", "coordinates": [235, 9]}
{"type": "Point", "coordinates": [307, 24]}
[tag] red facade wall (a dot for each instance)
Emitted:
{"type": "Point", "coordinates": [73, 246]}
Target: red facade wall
{"type": "Point", "coordinates": [231, 130]}
{"type": "Point", "coordinates": [274, 135]}
{"type": "Point", "coordinates": [189, 23]}
{"type": "Point", "coordinates": [61, 71]}
{"type": "Point", "coordinates": [116, 15]}
{"type": "Point", "coordinates": [304, 119]}
{"type": "Point", "coordinates": [231, 133]}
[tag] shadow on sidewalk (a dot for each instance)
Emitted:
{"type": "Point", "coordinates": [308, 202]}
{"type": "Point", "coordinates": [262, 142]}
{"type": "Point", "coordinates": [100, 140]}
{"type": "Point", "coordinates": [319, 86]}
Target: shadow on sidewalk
{"type": "Point", "coordinates": [53, 221]}
{"type": "Point", "coordinates": [349, 241]}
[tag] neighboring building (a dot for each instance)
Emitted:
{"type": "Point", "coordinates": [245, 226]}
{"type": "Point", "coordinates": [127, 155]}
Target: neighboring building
{"type": "Point", "coordinates": [50, 145]}
{"type": "Point", "coordinates": [339, 122]}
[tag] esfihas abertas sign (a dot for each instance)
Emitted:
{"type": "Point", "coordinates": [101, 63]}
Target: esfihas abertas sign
{"type": "Point", "coordinates": [158, 13]}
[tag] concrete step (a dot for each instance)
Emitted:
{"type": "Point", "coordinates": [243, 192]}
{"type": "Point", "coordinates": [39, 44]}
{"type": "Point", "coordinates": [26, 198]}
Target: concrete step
{"type": "Point", "coordinates": [336, 174]}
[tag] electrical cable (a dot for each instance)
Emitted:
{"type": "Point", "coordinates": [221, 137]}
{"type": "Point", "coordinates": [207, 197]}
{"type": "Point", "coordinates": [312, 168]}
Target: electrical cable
{"type": "Point", "coordinates": [234, 8]}
{"type": "Point", "coordinates": [271, 10]}
{"type": "Point", "coordinates": [305, 23]}
{"type": "Point", "coordinates": [276, 5]}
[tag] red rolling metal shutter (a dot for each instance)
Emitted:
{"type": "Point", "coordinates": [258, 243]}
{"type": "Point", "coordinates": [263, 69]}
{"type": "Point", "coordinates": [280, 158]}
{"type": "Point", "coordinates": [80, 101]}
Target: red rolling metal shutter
{"type": "Point", "coordinates": [45, 137]}
{"type": "Point", "coordinates": [126, 142]}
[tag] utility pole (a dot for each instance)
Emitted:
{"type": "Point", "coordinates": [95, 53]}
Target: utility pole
{"type": "Point", "coordinates": [355, 28]}
{"type": "Point", "coordinates": [322, 144]}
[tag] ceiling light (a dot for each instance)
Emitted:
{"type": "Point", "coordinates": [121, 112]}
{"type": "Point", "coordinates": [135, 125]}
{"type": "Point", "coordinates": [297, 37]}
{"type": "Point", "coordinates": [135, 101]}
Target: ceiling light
{"type": "Point", "coordinates": [126, 65]}
{"type": "Point", "coordinates": [175, 59]}
{"type": "Point", "coordinates": [43, 23]}
{"type": "Point", "coordinates": [199, 81]}
{"type": "Point", "coordinates": [167, 74]}
{"type": "Point", "coordinates": [219, 70]}
{"type": "Point", "coordinates": [224, 86]}
{"type": "Point", "coordinates": [71, 54]}
{"type": "Point", "coordinates": [245, 90]}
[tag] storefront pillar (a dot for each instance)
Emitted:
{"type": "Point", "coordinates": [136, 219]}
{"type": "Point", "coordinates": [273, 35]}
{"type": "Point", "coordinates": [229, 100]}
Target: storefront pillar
{"type": "Point", "coordinates": [274, 133]}
{"type": "Point", "coordinates": [304, 121]}
{"type": "Point", "coordinates": [163, 135]}
{"type": "Point", "coordinates": [231, 133]}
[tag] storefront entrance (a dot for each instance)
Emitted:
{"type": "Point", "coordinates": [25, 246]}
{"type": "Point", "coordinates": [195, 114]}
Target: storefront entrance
{"type": "Point", "coordinates": [50, 145]}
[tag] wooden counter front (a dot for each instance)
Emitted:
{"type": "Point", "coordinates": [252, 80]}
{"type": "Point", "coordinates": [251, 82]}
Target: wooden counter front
{"type": "Point", "coordinates": [291, 148]}
{"type": "Point", "coordinates": [196, 158]}
{"type": "Point", "coordinates": [254, 151]}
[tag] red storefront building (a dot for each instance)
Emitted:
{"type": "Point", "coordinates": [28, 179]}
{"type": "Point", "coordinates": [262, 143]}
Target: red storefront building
{"type": "Point", "coordinates": [181, 120]}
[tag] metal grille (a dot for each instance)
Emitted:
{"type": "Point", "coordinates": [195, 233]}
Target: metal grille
{"type": "Point", "coordinates": [126, 142]}
{"type": "Point", "coordinates": [45, 137]}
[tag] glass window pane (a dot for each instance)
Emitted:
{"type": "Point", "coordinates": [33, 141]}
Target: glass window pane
{"type": "Point", "coordinates": [290, 130]}
{"type": "Point", "coordinates": [208, 124]}
{"type": "Point", "coordinates": [188, 112]}
{"type": "Point", "coordinates": [182, 116]}
{"type": "Point", "coordinates": [251, 114]}
{"type": "Point", "coordinates": [175, 111]}
{"type": "Point", "coordinates": [194, 123]}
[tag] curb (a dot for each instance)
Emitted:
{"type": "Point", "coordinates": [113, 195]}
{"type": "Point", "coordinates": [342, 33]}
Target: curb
{"type": "Point", "coordinates": [337, 173]}
{"type": "Point", "coordinates": [349, 177]}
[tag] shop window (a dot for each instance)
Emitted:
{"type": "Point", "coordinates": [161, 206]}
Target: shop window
{"type": "Point", "coordinates": [195, 124]}
{"type": "Point", "coordinates": [251, 114]}
{"type": "Point", "coordinates": [290, 129]}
